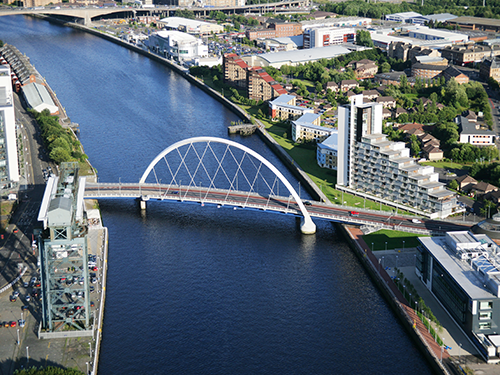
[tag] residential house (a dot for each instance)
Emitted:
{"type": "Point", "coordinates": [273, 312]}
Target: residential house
{"type": "Point", "coordinates": [348, 84]}
{"type": "Point", "coordinates": [364, 68]}
{"type": "Point", "coordinates": [396, 112]}
{"type": "Point", "coordinates": [235, 70]}
{"type": "Point", "coordinates": [482, 188]}
{"type": "Point", "coordinates": [327, 151]}
{"type": "Point", "coordinates": [432, 152]}
{"type": "Point", "coordinates": [490, 67]}
{"type": "Point", "coordinates": [333, 86]}
{"type": "Point", "coordinates": [470, 115]}
{"type": "Point", "coordinates": [465, 182]}
{"type": "Point", "coordinates": [386, 113]}
{"type": "Point", "coordinates": [386, 101]}
{"type": "Point", "coordinates": [370, 94]}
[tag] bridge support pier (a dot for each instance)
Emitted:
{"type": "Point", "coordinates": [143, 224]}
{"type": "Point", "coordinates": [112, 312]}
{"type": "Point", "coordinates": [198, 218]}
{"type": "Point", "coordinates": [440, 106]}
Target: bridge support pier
{"type": "Point", "coordinates": [142, 204]}
{"type": "Point", "coordinates": [307, 226]}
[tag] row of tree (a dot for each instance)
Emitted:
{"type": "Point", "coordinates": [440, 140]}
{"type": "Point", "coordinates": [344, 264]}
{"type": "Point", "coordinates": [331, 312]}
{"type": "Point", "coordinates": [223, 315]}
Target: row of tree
{"type": "Point", "coordinates": [60, 143]}
{"type": "Point", "coordinates": [378, 10]}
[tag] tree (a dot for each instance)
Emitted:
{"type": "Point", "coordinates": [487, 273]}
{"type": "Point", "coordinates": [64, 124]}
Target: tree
{"type": "Point", "coordinates": [363, 38]}
{"type": "Point", "coordinates": [385, 67]}
{"type": "Point", "coordinates": [453, 185]}
{"type": "Point", "coordinates": [51, 370]}
{"type": "Point", "coordinates": [319, 88]}
{"type": "Point", "coordinates": [59, 155]}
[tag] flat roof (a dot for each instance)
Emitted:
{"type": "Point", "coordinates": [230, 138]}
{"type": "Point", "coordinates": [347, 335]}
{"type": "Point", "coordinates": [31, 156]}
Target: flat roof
{"type": "Point", "coordinates": [180, 21]}
{"type": "Point", "coordinates": [463, 274]}
{"type": "Point", "coordinates": [177, 35]}
{"type": "Point", "coordinates": [476, 21]}
{"type": "Point", "coordinates": [304, 55]}
{"type": "Point", "coordinates": [331, 142]}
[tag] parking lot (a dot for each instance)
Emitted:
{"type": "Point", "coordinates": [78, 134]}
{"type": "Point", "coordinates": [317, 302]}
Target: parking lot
{"type": "Point", "coordinates": [19, 343]}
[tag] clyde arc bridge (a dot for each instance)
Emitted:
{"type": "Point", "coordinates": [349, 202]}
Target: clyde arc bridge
{"type": "Point", "coordinates": [221, 172]}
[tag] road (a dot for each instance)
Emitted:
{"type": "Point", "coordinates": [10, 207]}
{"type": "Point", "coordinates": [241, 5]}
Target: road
{"type": "Point", "coordinates": [240, 199]}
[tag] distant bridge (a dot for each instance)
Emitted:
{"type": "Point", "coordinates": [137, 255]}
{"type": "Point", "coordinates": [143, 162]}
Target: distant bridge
{"type": "Point", "coordinates": [85, 15]}
{"type": "Point", "coordinates": [222, 173]}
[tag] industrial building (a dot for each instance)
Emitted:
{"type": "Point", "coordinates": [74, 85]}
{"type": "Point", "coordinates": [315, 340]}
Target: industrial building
{"type": "Point", "coordinates": [294, 58]}
{"type": "Point", "coordinates": [370, 165]}
{"type": "Point", "coordinates": [462, 270]}
{"type": "Point", "coordinates": [9, 169]}
{"type": "Point", "coordinates": [336, 22]}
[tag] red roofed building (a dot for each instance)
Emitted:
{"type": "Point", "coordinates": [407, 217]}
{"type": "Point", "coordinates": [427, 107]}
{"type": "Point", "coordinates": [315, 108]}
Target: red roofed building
{"type": "Point", "coordinates": [261, 86]}
{"type": "Point", "coordinates": [235, 70]}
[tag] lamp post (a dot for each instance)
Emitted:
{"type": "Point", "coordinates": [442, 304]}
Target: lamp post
{"type": "Point", "coordinates": [397, 260]}
{"type": "Point", "coordinates": [299, 188]}
{"type": "Point", "coordinates": [403, 246]}
{"type": "Point", "coordinates": [386, 246]}
{"type": "Point", "coordinates": [416, 306]}
{"type": "Point", "coordinates": [372, 247]}
{"type": "Point", "coordinates": [404, 291]}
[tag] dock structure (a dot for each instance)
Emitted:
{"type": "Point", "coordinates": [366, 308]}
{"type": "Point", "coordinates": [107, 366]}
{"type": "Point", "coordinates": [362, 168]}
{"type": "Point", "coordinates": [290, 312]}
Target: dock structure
{"type": "Point", "coordinates": [243, 129]}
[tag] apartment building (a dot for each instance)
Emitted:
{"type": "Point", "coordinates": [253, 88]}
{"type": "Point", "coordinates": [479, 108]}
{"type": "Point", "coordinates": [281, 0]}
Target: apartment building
{"type": "Point", "coordinates": [308, 128]}
{"type": "Point", "coordinates": [327, 151]}
{"type": "Point", "coordinates": [284, 108]}
{"type": "Point", "coordinates": [257, 82]}
{"type": "Point", "coordinates": [371, 165]}
{"type": "Point", "coordinates": [490, 67]}
{"type": "Point", "coordinates": [261, 86]}
{"type": "Point", "coordinates": [235, 70]}
{"type": "Point", "coordinates": [364, 68]}
{"type": "Point", "coordinates": [462, 271]}
{"type": "Point", "coordinates": [327, 36]}
{"type": "Point", "coordinates": [468, 53]}
{"type": "Point", "coordinates": [9, 169]}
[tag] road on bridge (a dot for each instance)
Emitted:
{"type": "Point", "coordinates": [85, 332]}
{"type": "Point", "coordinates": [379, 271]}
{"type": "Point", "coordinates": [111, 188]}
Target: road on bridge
{"type": "Point", "coordinates": [241, 199]}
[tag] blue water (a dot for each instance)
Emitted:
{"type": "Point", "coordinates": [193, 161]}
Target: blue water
{"type": "Point", "coordinates": [201, 290]}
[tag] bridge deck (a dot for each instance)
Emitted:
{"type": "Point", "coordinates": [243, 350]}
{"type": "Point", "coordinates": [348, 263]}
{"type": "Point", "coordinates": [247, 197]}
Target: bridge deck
{"type": "Point", "coordinates": [279, 204]}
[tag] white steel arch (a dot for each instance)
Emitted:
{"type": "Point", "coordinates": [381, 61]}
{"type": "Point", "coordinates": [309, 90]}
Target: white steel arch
{"type": "Point", "coordinates": [307, 226]}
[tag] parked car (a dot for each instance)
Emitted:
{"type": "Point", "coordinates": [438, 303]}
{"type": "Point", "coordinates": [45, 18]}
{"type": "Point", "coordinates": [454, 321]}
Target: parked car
{"type": "Point", "coordinates": [13, 299]}
{"type": "Point", "coordinates": [13, 323]}
{"type": "Point", "coordinates": [27, 298]}
{"type": "Point", "coordinates": [21, 322]}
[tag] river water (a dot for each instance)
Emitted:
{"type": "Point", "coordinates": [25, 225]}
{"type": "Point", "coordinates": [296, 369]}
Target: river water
{"type": "Point", "coordinates": [201, 290]}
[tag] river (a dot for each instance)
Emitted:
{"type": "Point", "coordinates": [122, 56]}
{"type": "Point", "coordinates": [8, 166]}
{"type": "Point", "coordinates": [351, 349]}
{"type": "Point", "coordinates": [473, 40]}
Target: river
{"type": "Point", "coordinates": [201, 290]}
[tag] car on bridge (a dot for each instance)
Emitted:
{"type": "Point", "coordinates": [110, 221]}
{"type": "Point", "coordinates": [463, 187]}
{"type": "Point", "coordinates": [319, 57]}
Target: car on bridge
{"type": "Point", "coordinates": [354, 213]}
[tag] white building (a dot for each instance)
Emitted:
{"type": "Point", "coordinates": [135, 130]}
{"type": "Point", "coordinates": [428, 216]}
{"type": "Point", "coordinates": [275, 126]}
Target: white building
{"type": "Point", "coordinates": [9, 169]}
{"type": "Point", "coordinates": [327, 151]}
{"type": "Point", "coordinates": [406, 17]}
{"type": "Point", "coordinates": [294, 58]}
{"type": "Point", "coordinates": [425, 33]}
{"type": "Point", "coordinates": [382, 170]}
{"type": "Point", "coordinates": [470, 132]}
{"type": "Point", "coordinates": [177, 45]}
{"type": "Point", "coordinates": [190, 26]}
{"type": "Point", "coordinates": [326, 36]}
{"type": "Point", "coordinates": [337, 22]}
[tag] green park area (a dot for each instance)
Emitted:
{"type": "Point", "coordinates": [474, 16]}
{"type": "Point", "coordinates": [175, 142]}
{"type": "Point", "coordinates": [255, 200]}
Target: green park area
{"type": "Point", "coordinates": [394, 240]}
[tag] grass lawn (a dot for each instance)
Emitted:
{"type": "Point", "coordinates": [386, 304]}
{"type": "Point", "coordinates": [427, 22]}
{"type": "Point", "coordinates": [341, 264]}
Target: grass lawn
{"type": "Point", "coordinates": [393, 238]}
{"type": "Point", "coordinates": [446, 165]}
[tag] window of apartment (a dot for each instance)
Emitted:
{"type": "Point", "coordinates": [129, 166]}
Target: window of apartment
{"type": "Point", "coordinates": [485, 305]}
{"type": "Point", "coordinates": [484, 325]}
{"type": "Point", "coordinates": [485, 315]}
